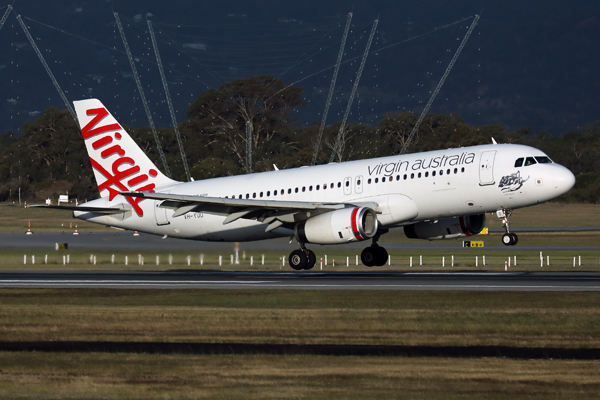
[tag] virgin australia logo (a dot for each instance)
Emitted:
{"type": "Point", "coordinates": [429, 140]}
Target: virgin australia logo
{"type": "Point", "coordinates": [512, 182]}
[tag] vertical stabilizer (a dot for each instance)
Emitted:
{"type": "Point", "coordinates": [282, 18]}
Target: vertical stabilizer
{"type": "Point", "coordinates": [119, 163]}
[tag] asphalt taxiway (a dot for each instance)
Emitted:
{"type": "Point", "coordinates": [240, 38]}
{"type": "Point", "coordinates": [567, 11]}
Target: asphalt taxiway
{"type": "Point", "coordinates": [370, 280]}
{"type": "Point", "coordinates": [124, 241]}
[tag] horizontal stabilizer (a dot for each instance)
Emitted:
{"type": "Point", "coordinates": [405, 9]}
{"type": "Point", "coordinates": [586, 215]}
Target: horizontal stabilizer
{"type": "Point", "coordinates": [103, 210]}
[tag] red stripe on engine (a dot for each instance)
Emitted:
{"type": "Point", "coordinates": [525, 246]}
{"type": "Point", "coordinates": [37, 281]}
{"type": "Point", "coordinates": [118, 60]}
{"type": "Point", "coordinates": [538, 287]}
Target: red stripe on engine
{"type": "Point", "coordinates": [463, 226]}
{"type": "Point", "coordinates": [355, 225]}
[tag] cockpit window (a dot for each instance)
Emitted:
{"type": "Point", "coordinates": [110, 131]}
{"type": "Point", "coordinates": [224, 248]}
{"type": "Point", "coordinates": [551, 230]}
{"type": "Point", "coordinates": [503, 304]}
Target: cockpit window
{"type": "Point", "coordinates": [519, 162]}
{"type": "Point", "coordinates": [544, 160]}
{"type": "Point", "coordinates": [530, 161]}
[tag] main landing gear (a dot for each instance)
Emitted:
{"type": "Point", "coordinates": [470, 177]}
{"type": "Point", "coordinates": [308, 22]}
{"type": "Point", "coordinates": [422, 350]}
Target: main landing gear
{"type": "Point", "coordinates": [508, 239]}
{"type": "Point", "coordinates": [302, 258]}
{"type": "Point", "coordinates": [375, 255]}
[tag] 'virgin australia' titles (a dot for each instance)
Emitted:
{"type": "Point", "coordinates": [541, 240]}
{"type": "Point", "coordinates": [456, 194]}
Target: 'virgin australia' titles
{"type": "Point", "coordinates": [389, 169]}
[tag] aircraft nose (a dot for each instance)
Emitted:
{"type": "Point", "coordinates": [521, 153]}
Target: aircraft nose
{"type": "Point", "coordinates": [563, 179]}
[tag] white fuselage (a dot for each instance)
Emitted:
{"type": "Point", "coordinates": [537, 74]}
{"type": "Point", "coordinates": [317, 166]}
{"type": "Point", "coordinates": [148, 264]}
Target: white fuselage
{"type": "Point", "coordinates": [407, 188]}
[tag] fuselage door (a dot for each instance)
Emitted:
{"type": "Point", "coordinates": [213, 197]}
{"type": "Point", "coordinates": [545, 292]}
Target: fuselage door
{"type": "Point", "coordinates": [486, 168]}
{"type": "Point", "coordinates": [160, 214]}
{"type": "Point", "coordinates": [358, 184]}
{"type": "Point", "coordinates": [348, 185]}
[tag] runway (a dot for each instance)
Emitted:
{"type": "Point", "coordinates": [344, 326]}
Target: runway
{"type": "Point", "coordinates": [193, 279]}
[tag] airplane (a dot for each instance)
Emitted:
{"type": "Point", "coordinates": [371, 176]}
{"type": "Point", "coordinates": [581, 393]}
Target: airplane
{"type": "Point", "coordinates": [441, 194]}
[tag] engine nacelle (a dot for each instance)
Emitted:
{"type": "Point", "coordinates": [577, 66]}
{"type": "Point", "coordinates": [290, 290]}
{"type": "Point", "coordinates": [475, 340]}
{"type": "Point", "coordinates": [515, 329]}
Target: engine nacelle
{"type": "Point", "coordinates": [446, 228]}
{"type": "Point", "coordinates": [339, 226]}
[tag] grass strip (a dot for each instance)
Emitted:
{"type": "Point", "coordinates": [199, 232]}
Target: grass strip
{"type": "Point", "coordinates": [152, 376]}
{"type": "Point", "coordinates": [429, 318]}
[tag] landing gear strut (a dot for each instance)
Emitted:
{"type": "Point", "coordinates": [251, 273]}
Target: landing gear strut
{"type": "Point", "coordinates": [375, 254]}
{"type": "Point", "coordinates": [302, 258]}
{"type": "Point", "coordinates": [508, 239]}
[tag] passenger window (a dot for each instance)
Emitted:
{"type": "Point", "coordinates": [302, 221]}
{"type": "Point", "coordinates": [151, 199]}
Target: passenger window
{"type": "Point", "coordinates": [324, 186]}
{"type": "Point", "coordinates": [274, 192]}
{"type": "Point", "coordinates": [332, 185]}
{"type": "Point", "coordinates": [253, 195]}
{"type": "Point", "coordinates": [419, 175]}
{"type": "Point", "coordinates": [412, 176]}
{"type": "Point", "coordinates": [391, 178]}
{"type": "Point", "coordinates": [247, 195]}
{"type": "Point", "coordinates": [455, 170]}
{"type": "Point", "coordinates": [369, 181]}
{"type": "Point", "coordinates": [448, 171]}
{"type": "Point", "coordinates": [519, 162]}
{"type": "Point", "coordinates": [383, 179]}
{"type": "Point", "coordinates": [296, 190]}
{"type": "Point", "coordinates": [289, 191]}
{"type": "Point", "coordinates": [310, 188]}
{"type": "Point", "coordinates": [268, 193]}
{"type": "Point", "coordinates": [405, 176]}
{"type": "Point", "coordinates": [462, 169]}
{"type": "Point", "coordinates": [433, 173]}
{"type": "Point", "coordinates": [303, 188]}
{"type": "Point", "coordinates": [240, 196]}
{"type": "Point", "coordinates": [530, 161]}
{"type": "Point", "coordinates": [397, 177]}
{"type": "Point", "coordinates": [339, 184]}
{"type": "Point", "coordinates": [441, 172]}
{"type": "Point", "coordinates": [318, 187]}
{"type": "Point", "coordinates": [376, 180]}
{"type": "Point", "coordinates": [426, 174]}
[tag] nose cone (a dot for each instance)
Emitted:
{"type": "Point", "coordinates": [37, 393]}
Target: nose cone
{"type": "Point", "coordinates": [563, 180]}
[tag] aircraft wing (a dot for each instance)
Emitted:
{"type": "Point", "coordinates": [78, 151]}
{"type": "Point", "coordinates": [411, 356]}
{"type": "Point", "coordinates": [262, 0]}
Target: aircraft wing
{"type": "Point", "coordinates": [274, 213]}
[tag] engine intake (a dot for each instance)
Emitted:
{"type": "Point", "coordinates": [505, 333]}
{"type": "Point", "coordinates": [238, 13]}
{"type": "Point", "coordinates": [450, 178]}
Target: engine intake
{"type": "Point", "coordinates": [339, 226]}
{"type": "Point", "coordinates": [446, 228]}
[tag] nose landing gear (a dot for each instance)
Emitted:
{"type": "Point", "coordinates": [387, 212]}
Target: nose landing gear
{"type": "Point", "coordinates": [508, 239]}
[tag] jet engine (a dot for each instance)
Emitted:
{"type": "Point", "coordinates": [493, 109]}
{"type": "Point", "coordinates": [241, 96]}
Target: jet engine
{"type": "Point", "coordinates": [446, 228]}
{"type": "Point", "coordinates": [339, 226]}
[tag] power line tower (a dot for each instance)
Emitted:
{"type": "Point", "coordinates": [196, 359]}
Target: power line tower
{"type": "Point", "coordinates": [9, 8]}
{"type": "Point", "coordinates": [169, 102]}
{"type": "Point", "coordinates": [331, 90]}
{"type": "Point", "coordinates": [43, 61]}
{"type": "Point", "coordinates": [439, 85]}
{"type": "Point", "coordinates": [143, 96]}
{"type": "Point", "coordinates": [248, 147]}
{"type": "Point", "coordinates": [338, 148]}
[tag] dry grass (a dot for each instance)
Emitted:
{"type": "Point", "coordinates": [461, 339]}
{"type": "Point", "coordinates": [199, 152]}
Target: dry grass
{"type": "Point", "coordinates": [303, 317]}
{"type": "Point", "coordinates": [142, 376]}
{"type": "Point", "coordinates": [272, 316]}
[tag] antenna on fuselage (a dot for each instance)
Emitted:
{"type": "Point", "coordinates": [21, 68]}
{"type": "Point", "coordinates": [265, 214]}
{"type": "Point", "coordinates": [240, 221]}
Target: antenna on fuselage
{"type": "Point", "coordinates": [439, 85]}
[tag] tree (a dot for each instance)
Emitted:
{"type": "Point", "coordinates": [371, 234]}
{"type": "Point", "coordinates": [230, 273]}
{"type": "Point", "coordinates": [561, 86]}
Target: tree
{"type": "Point", "coordinates": [221, 115]}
